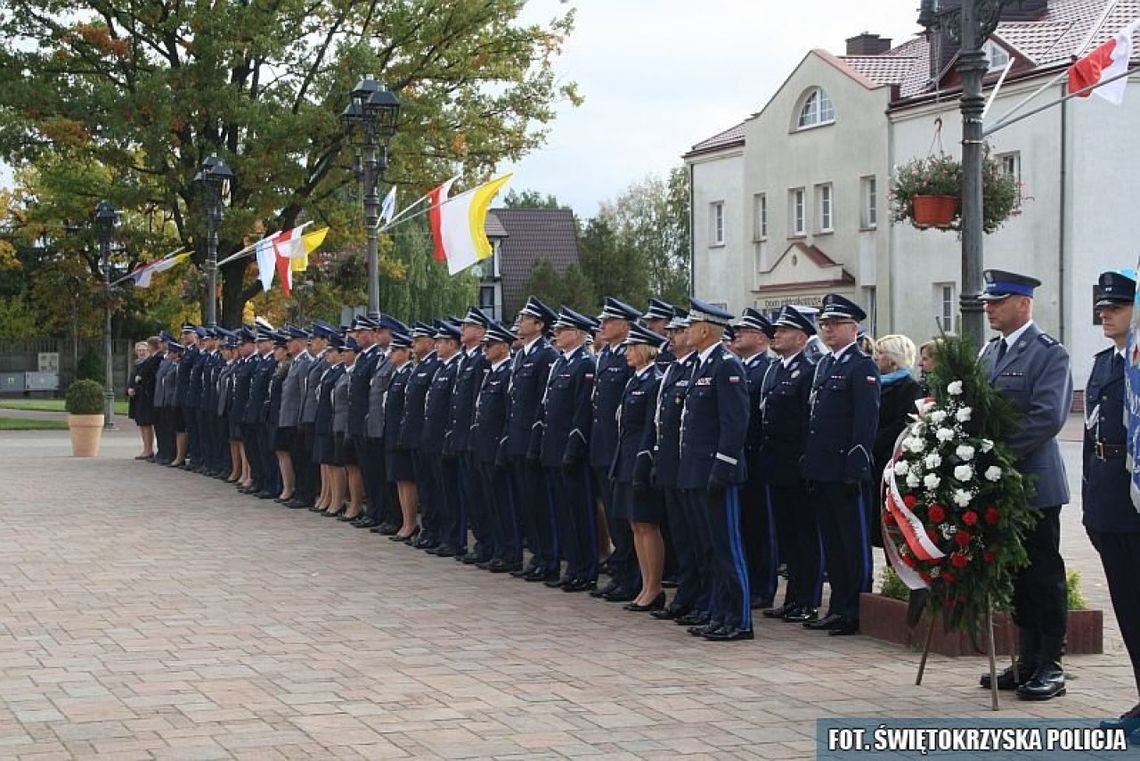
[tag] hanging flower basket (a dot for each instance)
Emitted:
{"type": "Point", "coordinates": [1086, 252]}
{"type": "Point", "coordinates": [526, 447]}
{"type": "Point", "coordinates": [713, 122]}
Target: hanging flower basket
{"type": "Point", "coordinates": [935, 211]}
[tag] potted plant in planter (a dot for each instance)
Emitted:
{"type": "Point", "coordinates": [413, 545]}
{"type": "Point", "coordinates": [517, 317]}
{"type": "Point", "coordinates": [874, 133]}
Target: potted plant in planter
{"type": "Point", "coordinates": [85, 417]}
{"type": "Point", "coordinates": [926, 193]}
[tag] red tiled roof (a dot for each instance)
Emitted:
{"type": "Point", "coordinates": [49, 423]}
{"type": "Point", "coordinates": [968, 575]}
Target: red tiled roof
{"type": "Point", "coordinates": [731, 136]}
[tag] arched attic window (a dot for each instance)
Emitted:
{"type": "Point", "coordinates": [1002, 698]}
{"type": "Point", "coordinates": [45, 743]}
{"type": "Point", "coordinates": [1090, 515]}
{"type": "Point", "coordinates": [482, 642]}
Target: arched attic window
{"type": "Point", "coordinates": [815, 109]}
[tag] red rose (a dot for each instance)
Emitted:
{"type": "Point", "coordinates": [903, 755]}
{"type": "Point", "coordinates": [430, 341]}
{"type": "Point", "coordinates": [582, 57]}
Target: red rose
{"type": "Point", "coordinates": [990, 556]}
{"type": "Point", "coordinates": [963, 538]}
{"type": "Point", "coordinates": [949, 577]}
{"type": "Point", "coordinates": [908, 560]}
{"type": "Point", "coordinates": [888, 518]}
{"type": "Point", "coordinates": [992, 515]}
{"type": "Point", "coordinates": [932, 534]}
{"type": "Point", "coordinates": [969, 517]}
{"type": "Point", "coordinates": [910, 500]}
{"type": "Point", "coordinates": [937, 513]}
{"type": "Point", "coordinates": [958, 560]}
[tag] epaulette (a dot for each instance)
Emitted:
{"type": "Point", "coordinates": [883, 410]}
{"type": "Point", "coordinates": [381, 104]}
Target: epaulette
{"type": "Point", "coordinates": [1047, 339]}
{"type": "Point", "coordinates": [1108, 350]}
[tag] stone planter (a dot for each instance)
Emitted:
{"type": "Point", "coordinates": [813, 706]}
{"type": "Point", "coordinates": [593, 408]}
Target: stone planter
{"type": "Point", "coordinates": [86, 433]}
{"type": "Point", "coordinates": [885, 618]}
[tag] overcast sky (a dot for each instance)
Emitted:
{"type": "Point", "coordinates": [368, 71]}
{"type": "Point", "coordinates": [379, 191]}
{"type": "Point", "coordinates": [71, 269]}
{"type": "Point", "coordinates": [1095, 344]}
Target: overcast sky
{"type": "Point", "coordinates": [661, 75]}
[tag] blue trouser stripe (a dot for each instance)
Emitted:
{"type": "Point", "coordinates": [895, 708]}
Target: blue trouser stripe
{"type": "Point", "coordinates": [740, 562]}
{"type": "Point", "coordinates": [865, 545]}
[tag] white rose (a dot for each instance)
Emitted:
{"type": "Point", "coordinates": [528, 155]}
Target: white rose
{"type": "Point", "coordinates": [934, 571]}
{"type": "Point", "coordinates": [931, 481]}
{"type": "Point", "coordinates": [961, 497]}
{"type": "Point", "coordinates": [963, 472]}
{"type": "Point", "coordinates": [912, 481]}
{"type": "Point", "coordinates": [993, 473]}
{"type": "Point", "coordinates": [954, 388]}
{"type": "Point", "coordinates": [901, 468]}
{"type": "Point", "coordinates": [965, 452]}
{"type": "Point", "coordinates": [932, 460]}
{"type": "Point", "coordinates": [987, 445]}
{"type": "Point", "coordinates": [937, 416]}
{"type": "Point", "coordinates": [917, 445]}
{"type": "Point", "coordinates": [964, 414]}
{"type": "Point", "coordinates": [944, 434]}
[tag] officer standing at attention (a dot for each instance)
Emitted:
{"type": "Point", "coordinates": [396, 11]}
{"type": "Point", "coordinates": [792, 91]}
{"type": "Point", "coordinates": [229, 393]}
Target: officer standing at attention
{"type": "Point", "coordinates": [445, 465]}
{"type": "Point", "coordinates": [609, 385]}
{"type": "Point", "coordinates": [657, 318]}
{"type": "Point", "coordinates": [411, 433]}
{"type": "Point", "coordinates": [305, 460]}
{"type": "Point", "coordinates": [289, 417]}
{"type": "Point", "coordinates": [837, 460]}
{"type": "Point", "coordinates": [567, 413]}
{"type": "Point", "coordinates": [713, 430]}
{"type": "Point", "coordinates": [1111, 520]}
{"type": "Point", "coordinates": [1031, 369]}
{"type": "Point", "coordinates": [751, 342]}
{"type": "Point", "coordinates": [488, 441]}
{"type": "Point", "coordinates": [472, 366]}
{"type": "Point", "coordinates": [783, 413]}
{"type": "Point", "coordinates": [359, 384]}
{"type": "Point", "coordinates": [529, 373]}
{"type": "Point", "coordinates": [382, 516]}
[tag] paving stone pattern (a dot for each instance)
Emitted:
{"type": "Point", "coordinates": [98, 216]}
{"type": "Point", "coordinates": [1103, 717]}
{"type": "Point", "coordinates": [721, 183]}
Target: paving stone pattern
{"type": "Point", "coordinates": [149, 613]}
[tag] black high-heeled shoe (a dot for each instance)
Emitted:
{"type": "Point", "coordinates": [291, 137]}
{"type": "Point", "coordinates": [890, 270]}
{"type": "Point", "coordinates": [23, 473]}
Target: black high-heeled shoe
{"type": "Point", "coordinates": [346, 517]}
{"type": "Point", "coordinates": [330, 514]}
{"type": "Point", "coordinates": [406, 539]}
{"type": "Point", "coordinates": [657, 604]}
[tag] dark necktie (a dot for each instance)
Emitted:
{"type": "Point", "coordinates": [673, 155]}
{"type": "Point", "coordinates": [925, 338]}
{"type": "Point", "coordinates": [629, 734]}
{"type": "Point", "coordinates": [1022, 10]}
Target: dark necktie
{"type": "Point", "coordinates": [1117, 364]}
{"type": "Point", "coordinates": [1002, 346]}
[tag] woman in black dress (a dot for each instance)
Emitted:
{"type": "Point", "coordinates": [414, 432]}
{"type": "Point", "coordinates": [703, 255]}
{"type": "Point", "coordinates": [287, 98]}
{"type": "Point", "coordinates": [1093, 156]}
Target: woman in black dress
{"type": "Point", "coordinates": [140, 391]}
{"type": "Point", "coordinates": [894, 356]}
{"type": "Point", "coordinates": [634, 497]}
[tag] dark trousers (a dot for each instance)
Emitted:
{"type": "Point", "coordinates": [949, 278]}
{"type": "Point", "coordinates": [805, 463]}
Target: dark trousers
{"type": "Point", "coordinates": [533, 498]}
{"type": "Point", "coordinates": [797, 533]}
{"type": "Point", "coordinates": [307, 472]}
{"type": "Point", "coordinates": [695, 503]}
{"type": "Point", "coordinates": [271, 481]}
{"type": "Point", "coordinates": [758, 530]}
{"type": "Point", "coordinates": [452, 523]}
{"type": "Point", "coordinates": [731, 604]}
{"type": "Point", "coordinates": [842, 520]}
{"type": "Point", "coordinates": [190, 419]}
{"type": "Point", "coordinates": [689, 594]}
{"type": "Point", "coordinates": [222, 437]}
{"type": "Point", "coordinates": [1039, 588]}
{"type": "Point", "coordinates": [251, 437]}
{"type": "Point", "coordinates": [164, 434]}
{"type": "Point", "coordinates": [428, 474]}
{"type": "Point", "coordinates": [577, 522]}
{"type": "Point", "coordinates": [498, 496]}
{"type": "Point", "coordinates": [623, 561]}
{"type": "Point", "coordinates": [1120, 556]}
{"type": "Point", "coordinates": [478, 514]}
{"type": "Point", "coordinates": [370, 457]}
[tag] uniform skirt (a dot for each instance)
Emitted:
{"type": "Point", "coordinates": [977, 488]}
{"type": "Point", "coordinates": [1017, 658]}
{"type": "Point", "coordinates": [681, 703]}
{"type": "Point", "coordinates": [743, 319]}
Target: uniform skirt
{"type": "Point", "coordinates": [324, 449]}
{"type": "Point", "coordinates": [283, 439]}
{"type": "Point", "coordinates": [345, 450]}
{"type": "Point", "coordinates": [234, 427]}
{"type": "Point", "coordinates": [177, 420]}
{"type": "Point", "coordinates": [399, 465]}
{"type": "Point", "coordinates": [640, 506]}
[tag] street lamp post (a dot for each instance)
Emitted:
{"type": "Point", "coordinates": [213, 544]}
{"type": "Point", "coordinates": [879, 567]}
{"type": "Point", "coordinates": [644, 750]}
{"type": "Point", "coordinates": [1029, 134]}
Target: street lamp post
{"type": "Point", "coordinates": [213, 178]}
{"type": "Point", "coordinates": [105, 219]}
{"type": "Point", "coordinates": [369, 122]}
{"type": "Point", "coordinates": [969, 24]}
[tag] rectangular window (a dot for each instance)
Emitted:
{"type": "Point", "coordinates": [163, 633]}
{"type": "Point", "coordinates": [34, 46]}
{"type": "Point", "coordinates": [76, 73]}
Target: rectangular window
{"type": "Point", "coordinates": [947, 307]}
{"type": "Point", "coordinates": [870, 218]}
{"type": "Point", "coordinates": [716, 223]}
{"type": "Point", "coordinates": [487, 297]}
{"type": "Point", "coordinates": [760, 216]}
{"type": "Point", "coordinates": [824, 204]}
{"type": "Point", "coordinates": [1011, 167]}
{"type": "Point", "coordinates": [797, 214]}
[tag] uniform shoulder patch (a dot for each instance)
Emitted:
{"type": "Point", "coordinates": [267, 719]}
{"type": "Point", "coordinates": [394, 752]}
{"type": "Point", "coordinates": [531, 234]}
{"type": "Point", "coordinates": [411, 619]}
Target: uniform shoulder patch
{"type": "Point", "coordinates": [734, 379]}
{"type": "Point", "coordinates": [1047, 339]}
{"type": "Point", "coordinates": [872, 380]}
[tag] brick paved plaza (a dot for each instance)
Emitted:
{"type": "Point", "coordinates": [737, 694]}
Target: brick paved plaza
{"type": "Point", "coordinates": [150, 613]}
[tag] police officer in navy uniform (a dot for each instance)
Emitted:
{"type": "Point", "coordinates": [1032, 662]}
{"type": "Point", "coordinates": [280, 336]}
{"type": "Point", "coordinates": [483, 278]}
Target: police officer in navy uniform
{"type": "Point", "coordinates": [359, 385]}
{"type": "Point", "coordinates": [1031, 370]}
{"type": "Point", "coordinates": [783, 415]}
{"type": "Point", "coordinates": [529, 374]}
{"type": "Point", "coordinates": [472, 367]}
{"type": "Point", "coordinates": [398, 467]}
{"type": "Point", "coordinates": [657, 318]}
{"type": "Point", "coordinates": [304, 459]}
{"type": "Point", "coordinates": [753, 333]}
{"type": "Point", "coordinates": [444, 464]}
{"type": "Point", "coordinates": [411, 432]}
{"type": "Point", "coordinates": [488, 442]}
{"type": "Point", "coordinates": [1111, 520]}
{"type": "Point", "coordinates": [714, 426]}
{"type": "Point", "coordinates": [262, 463]}
{"type": "Point", "coordinates": [609, 384]}
{"type": "Point", "coordinates": [567, 415]}
{"type": "Point", "coordinates": [243, 378]}
{"type": "Point", "coordinates": [837, 460]}
{"type": "Point", "coordinates": [183, 395]}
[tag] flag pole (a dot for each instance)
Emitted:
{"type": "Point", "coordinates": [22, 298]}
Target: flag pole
{"type": "Point", "coordinates": [1022, 103]}
{"type": "Point", "coordinates": [997, 87]}
{"type": "Point", "coordinates": [1058, 101]}
{"type": "Point", "coordinates": [160, 260]}
{"type": "Point", "coordinates": [404, 211]}
{"type": "Point", "coordinates": [441, 204]}
{"type": "Point", "coordinates": [245, 251]}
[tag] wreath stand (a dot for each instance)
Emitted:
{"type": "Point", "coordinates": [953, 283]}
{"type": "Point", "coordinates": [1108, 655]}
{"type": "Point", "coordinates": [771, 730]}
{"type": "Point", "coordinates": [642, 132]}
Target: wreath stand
{"type": "Point", "coordinates": [992, 653]}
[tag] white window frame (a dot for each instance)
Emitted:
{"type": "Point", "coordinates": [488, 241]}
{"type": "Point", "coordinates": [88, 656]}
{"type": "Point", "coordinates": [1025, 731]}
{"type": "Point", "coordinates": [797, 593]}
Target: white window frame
{"type": "Point", "coordinates": [825, 207]}
{"type": "Point", "coordinates": [996, 56]}
{"type": "Point", "coordinates": [716, 223]}
{"type": "Point", "coordinates": [816, 110]}
{"type": "Point", "coordinates": [946, 301]}
{"type": "Point", "coordinates": [1010, 163]}
{"type": "Point", "coordinates": [760, 216]}
{"type": "Point", "coordinates": [797, 213]}
{"type": "Point", "coordinates": [868, 189]}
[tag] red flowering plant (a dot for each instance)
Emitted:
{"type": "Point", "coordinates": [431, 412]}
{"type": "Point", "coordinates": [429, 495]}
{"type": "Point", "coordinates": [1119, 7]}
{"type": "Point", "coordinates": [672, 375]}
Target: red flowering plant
{"type": "Point", "coordinates": [956, 508]}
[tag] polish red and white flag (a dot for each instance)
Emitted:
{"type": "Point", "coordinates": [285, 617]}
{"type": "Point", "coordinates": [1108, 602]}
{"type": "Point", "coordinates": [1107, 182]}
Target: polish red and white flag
{"type": "Point", "coordinates": [1105, 62]}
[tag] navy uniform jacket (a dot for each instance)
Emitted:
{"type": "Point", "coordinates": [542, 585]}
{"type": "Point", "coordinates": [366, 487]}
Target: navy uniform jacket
{"type": "Point", "coordinates": [182, 386]}
{"type": "Point", "coordinates": [437, 406]}
{"type": "Point", "coordinates": [243, 377]}
{"type": "Point", "coordinates": [359, 385]}
{"type": "Point", "coordinates": [755, 368]}
{"type": "Point", "coordinates": [529, 373]}
{"type": "Point", "coordinates": [714, 423]}
{"type": "Point", "coordinates": [783, 415]}
{"type": "Point", "coordinates": [323, 425]}
{"type": "Point", "coordinates": [1105, 483]}
{"type": "Point", "coordinates": [257, 406]}
{"type": "Point", "coordinates": [567, 411]}
{"type": "Point", "coordinates": [472, 367]}
{"type": "Point", "coordinates": [225, 388]}
{"type": "Point", "coordinates": [489, 430]}
{"type": "Point", "coordinates": [276, 385]}
{"type": "Point", "coordinates": [310, 389]}
{"type": "Point", "coordinates": [196, 385]}
{"type": "Point", "coordinates": [670, 405]}
{"type": "Point", "coordinates": [211, 367]}
{"type": "Point", "coordinates": [394, 405]}
{"type": "Point", "coordinates": [637, 433]}
{"type": "Point", "coordinates": [844, 418]}
{"type": "Point", "coordinates": [664, 359]}
{"type": "Point", "coordinates": [609, 384]}
{"type": "Point", "coordinates": [1034, 375]}
{"type": "Point", "coordinates": [415, 395]}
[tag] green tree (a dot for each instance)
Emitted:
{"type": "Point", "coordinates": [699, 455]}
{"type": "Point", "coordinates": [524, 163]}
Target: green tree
{"type": "Point", "coordinates": [135, 95]}
{"type": "Point", "coordinates": [578, 292]}
{"type": "Point", "coordinates": [611, 264]}
{"type": "Point", "coordinates": [545, 283]}
{"type": "Point", "coordinates": [531, 199]}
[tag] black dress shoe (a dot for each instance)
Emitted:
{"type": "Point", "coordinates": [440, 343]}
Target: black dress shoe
{"type": "Point", "coordinates": [658, 603]}
{"type": "Point", "coordinates": [1005, 680]}
{"type": "Point", "coordinates": [1047, 682]}
{"type": "Point", "coordinates": [834, 621]}
{"type": "Point", "coordinates": [607, 589]}
{"type": "Point", "coordinates": [502, 566]}
{"type": "Point", "coordinates": [581, 585]}
{"type": "Point", "coordinates": [484, 565]}
{"type": "Point", "coordinates": [315, 509]}
{"type": "Point", "coordinates": [621, 594]}
{"type": "Point", "coordinates": [703, 629]}
{"type": "Point", "coordinates": [296, 504]}
{"type": "Point", "coordinates": [523, 571]}
{"type": "Point", "coordinates": [729, 634]}
{"type": "Point", "coordinates": [692, 618]}
{"type": "Point", "coordinates": [1128, 721]}
{"type": "Point", "coordinates": [424, 542]}
{"type": "Point", "coordinates": [540, 575]}
{"type": "Point", "coordinates": [779, 612]}
{"type": "Point", "coordinates": [265, 495]}
{"type": "Point", "coordinates": [367, 522]}
{"type": "Point", "coordinates": [557, 582]}
{"type": "Point", "coordinates": [668, 614]}
{"type": "Point", "coordinates": [445, 551]}
{"type": "Point", "coordinates": [475, 559]}
{"type": "Point", "coordinates": [387, 529]}
{"type": "Point", "coordinates": [847, 627]}
{"type": "Point", "coordinates": [346, 518]}
{"type": "Point", "coordinates": [801, 614]}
